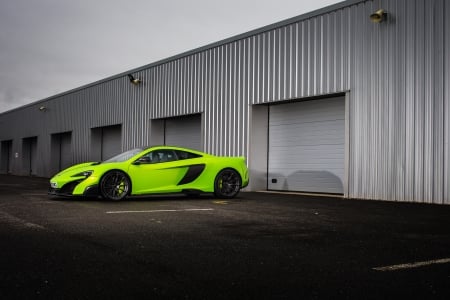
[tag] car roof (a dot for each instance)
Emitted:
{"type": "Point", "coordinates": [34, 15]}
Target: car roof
{"type": "Point", "coordinates": [175, 148]}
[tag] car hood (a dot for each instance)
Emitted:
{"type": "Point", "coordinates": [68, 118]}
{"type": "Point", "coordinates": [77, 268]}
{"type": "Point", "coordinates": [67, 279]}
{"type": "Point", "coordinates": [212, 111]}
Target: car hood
{"type": "Point", "coordinates": [77, 168]}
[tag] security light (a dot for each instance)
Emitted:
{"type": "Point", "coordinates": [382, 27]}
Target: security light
{"type": "Point", "coordinates": [378, 16]}
{"type": "Point", "coordinates": [133, 80]}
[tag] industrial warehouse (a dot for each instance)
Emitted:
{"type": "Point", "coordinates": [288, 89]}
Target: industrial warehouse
{"type": "Point", "coordinates": [351, 99]}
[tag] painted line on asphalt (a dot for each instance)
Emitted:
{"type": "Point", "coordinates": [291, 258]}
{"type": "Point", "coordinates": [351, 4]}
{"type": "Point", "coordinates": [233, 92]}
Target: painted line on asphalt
{"type": "Point", "coordinates": [221, 202]}
{"type": "Point", "coordinates": [157, 210]}
{"type": "Point", "coordinates": [413, 265]}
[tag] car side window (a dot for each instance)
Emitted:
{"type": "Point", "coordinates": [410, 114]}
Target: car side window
{"type": "Point", "coordinates": [185, 154]}
{"type": "Point", "coordinates": [158, 156]}
{"type": "Point", "coordinates": [165, 155]}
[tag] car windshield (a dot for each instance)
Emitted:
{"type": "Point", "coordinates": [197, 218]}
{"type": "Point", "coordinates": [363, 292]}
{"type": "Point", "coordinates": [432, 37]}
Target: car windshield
{"type": "Point", "coordinates": [124, 156]}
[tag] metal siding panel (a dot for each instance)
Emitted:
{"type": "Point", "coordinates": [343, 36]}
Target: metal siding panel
{"type": "Point", "coordinates": [446, 158]}
{"type": "Point", "coordinates": [410, 106]}
{"type": "Point", "coordinates": [428, 106]}
{"type": "Point", "coordinates": [437, 88]}
{"type": "Point", "coordinates": [397, 131]}
{"type": "Point", "coordinates": [419, 97]}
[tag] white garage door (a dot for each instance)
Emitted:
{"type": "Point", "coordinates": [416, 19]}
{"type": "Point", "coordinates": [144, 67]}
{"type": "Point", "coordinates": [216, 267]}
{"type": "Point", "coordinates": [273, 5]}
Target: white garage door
{"type": "Point", "coordinates": [184, 131]}
{"type": "Point", "coordinates": [306, 146]}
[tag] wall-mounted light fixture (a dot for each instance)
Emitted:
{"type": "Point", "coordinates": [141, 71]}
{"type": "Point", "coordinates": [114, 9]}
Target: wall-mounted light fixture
{"type": "Point", "coordinates": [42, 108]}
{"type": "Point", "coordinates": [378, 16]}
{"type": "Point", "coordinates": [133, 80]}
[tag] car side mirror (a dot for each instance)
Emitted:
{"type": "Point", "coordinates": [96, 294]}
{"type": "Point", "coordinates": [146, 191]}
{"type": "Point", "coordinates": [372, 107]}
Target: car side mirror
{"type": "Point", "coordinates": [142, 160]}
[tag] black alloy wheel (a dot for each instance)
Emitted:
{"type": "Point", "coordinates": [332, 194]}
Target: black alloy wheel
{"type": "Point", "coordinates": [115, 185]}
{"type": "Point", "coordinates": [227, 184]}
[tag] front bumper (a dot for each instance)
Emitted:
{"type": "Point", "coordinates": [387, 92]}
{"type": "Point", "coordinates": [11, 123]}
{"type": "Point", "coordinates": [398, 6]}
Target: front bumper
{"type": "Point", "coordinates": [68, 188]}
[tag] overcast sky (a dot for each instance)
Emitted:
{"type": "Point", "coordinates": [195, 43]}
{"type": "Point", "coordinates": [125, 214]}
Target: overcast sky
{"type": "Point", "coordinates": [51, 46]}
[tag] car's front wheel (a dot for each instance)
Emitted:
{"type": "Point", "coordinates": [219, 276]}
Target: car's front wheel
{"type": "Point", "coordinates": [115, 185]}
{"type": "Point", "coordinates": [227, 184]}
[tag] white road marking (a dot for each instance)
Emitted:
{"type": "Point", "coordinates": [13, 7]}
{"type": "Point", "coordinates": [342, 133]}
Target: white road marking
{"type": "Point", "coordinates": [222, 202]}
{"type": "Point", "coordinates": [157, 210]}
{"type": "Point", "coordinates": [413, 265]}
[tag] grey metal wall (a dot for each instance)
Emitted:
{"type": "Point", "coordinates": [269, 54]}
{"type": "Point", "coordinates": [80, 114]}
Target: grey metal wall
{"type": "Point", "coordinates": [399, 110]}
{"type": "Point", "coordinates": [395, 75]}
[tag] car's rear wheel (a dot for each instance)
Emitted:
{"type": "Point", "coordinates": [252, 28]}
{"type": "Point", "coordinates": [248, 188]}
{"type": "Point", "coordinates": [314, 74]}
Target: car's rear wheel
{"type": "Point", "coordinates": [115, 185]}
{"type": "Point", "coordinates": [227, 184]}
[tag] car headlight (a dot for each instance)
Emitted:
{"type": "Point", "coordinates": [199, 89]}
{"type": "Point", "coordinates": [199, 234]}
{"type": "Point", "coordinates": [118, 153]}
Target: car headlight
{"type": "Point", "coordinates": [84, 174]}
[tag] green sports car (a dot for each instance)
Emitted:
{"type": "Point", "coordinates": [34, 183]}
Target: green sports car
{"type": "Point", "coordinates": [154, 170]}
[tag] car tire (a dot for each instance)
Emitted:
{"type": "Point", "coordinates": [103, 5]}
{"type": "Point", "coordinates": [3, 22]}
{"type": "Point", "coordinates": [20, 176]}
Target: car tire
{"type": "Point", "coordinates": [115, 186]}
{"type": "Point", "coordinates": [227, 184]}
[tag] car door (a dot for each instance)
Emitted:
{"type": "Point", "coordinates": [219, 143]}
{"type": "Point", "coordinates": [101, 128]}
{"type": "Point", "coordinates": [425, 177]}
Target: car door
{"type": "Point", "coordinates": [156, 171]}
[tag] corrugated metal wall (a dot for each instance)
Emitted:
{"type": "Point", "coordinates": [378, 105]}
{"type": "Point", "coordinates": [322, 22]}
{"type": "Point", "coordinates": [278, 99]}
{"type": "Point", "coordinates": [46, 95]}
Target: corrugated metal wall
{"type": "Point", "coordinates": [395, 74]}
{"type": "Point", "coordinates": [399, 112]}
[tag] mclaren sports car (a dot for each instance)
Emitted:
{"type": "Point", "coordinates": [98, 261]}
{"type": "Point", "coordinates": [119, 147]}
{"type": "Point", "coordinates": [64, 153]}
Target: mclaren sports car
{"type": "Point", "coordinates": [154, 170]}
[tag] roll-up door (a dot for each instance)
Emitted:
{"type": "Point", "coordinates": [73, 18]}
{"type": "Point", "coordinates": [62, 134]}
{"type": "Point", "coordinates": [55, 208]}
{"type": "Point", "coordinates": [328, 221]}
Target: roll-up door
{"type": "Point", "coordinates": [111, 141]}
{"type": "Point", "coordinates": [6, 156]}
{"type": "Point", "coordinates": [66, 150]}
{"type": "Point", "coordinates": [185, 131]}
{"type": "Point", "coordinates": [29, 158]}
{"type": "Point", "coordinates": [307, 146]}
{"type": "Point", "coordinates": [61, 151]}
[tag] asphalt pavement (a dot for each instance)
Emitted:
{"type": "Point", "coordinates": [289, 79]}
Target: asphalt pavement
{"type": "Point", "coordinates": [258, 246]}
